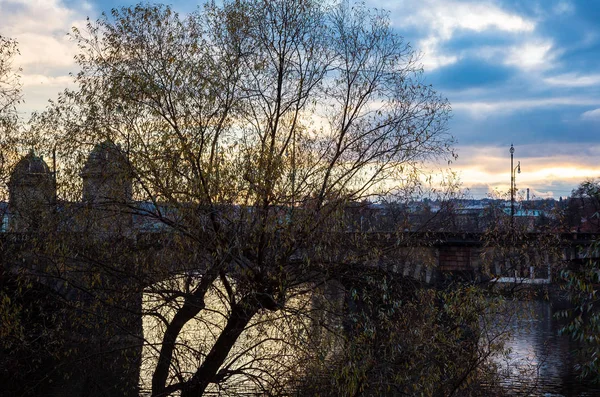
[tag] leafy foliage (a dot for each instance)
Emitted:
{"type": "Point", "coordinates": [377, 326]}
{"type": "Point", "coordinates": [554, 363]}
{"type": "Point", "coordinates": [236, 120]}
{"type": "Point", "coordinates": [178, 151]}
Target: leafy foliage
{"type": "Point", "coordinates": [581, 281]}
{"type": "Point", "coordinates": [10, 97]}
{"type": "Point", "coordinates": [407, 339]}
{"type": "Point", "coordinates": [10, 88]}
{"type": "Point", "coordinates": [245, 130]}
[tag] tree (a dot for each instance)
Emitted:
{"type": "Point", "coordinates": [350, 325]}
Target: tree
{"type": "Point", "coordinates": [10, 92]}
{"type": "Point", "coordinates": [582, 211]}
{"type": "Point", "coordinates": [34, 341]}
{"type": "Point", "coordinates": [245, 129]}
{"type": "Point", "coordinates": [580, 277]}
{"type": "Point", "coordinates": [10, 96]}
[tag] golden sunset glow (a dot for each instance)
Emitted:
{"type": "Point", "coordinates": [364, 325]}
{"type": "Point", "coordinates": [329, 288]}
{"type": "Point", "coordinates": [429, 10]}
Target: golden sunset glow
{"type": "Point", "coordinates": [488, 170]}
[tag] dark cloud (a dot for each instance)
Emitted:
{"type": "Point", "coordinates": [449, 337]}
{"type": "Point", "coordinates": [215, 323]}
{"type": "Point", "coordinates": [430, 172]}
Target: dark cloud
{"type": "Point", "coordinates": [586, 154]}
{"type": "Point", "coordinates": [469, 73]}
{"type": "Point", "coordinates": [526, 127]}
{"type": "Point", "coordinates": [468, 39]}
{"type": "Point", "coordinates": [530, 87]}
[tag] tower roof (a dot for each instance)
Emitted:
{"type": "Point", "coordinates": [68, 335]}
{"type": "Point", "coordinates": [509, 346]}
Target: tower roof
{"type": "Point", "coordinates": [105, 157]}
{"type": "Point", "coordinates": [30, 165]}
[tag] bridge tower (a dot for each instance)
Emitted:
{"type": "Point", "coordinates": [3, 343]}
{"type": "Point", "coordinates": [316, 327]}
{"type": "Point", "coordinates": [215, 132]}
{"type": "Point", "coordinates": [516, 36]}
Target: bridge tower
{"type": "Point", "coordinates": [107, 220]}
{"type": "Point", "coordinates": [32, 194]}
{"type": "Point", "coordinates": [107, 189]}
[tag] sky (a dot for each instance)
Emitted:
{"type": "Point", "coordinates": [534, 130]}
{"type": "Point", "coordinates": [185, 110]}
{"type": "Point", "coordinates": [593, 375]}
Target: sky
{"type": "Point", "coordinates": [516, 72]}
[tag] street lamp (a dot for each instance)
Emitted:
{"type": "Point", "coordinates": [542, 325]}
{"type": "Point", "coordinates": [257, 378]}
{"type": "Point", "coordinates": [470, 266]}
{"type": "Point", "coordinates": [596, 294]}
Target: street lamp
{"type": "Point", "coordinates": [513, 186]}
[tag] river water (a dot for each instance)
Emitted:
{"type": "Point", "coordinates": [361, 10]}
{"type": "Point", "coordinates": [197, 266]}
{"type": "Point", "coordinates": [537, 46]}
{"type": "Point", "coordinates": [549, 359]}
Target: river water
{"type": "Point", "coordinates": [539, 361]}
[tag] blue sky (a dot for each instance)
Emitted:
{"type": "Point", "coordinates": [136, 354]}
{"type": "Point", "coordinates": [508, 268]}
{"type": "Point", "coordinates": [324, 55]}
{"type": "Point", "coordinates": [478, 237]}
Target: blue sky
{"type": "Point", "coordinates": [522, 72]}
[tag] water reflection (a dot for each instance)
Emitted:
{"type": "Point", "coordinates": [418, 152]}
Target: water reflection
{"type": "Point", "coordinates": [539, 362]}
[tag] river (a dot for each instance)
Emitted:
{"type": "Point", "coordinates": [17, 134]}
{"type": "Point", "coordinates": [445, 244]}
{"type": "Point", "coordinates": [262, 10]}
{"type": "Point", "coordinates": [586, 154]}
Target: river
{"type": "Point", "coordinates": [540, 362]}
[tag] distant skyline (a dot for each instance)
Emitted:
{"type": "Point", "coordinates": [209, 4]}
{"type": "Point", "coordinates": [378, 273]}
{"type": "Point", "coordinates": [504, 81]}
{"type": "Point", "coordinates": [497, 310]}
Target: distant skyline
{"type": "Point", "coordinates": [521, 72]}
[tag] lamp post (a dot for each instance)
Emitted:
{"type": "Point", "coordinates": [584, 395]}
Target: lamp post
{"type": "Point", "coordinates": [513, 183]}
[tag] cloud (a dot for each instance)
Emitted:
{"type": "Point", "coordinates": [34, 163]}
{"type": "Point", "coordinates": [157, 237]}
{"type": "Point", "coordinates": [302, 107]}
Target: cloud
{"type": "Point", "coordinates": [548, 169]}
{"type": "Point", "coordinates": [513, 71]}
{"type": "Point", "coordinates": [484, 108]}
{"type": "Point", "coordinates": [35, 80]}
{"type": "Point", "coordinates": [445, 17]}
{"type": "Point", "coordinates": [531, 55]}
{"type": "Point", "coordinates": [593, 115]}
{"type": "Point", "coordinates": [46, 53]}
{"type": "Point", "coordinates": [439, 21]}
{"type": "Point", "coordinates": [470, 73]}
{"type": "Point", "coordinates": [563, 8]}
{"type": "Point", "coordinates": [431, 58]}
{"type": "Point", "coordinates": [573, 80]}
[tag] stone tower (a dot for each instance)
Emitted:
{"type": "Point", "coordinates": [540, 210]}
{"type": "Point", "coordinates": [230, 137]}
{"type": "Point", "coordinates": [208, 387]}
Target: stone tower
{"type": "Point", "coordinates": [106, 178]}
{"type": "Point", "coordinates": [32, 194]}
{"type": "Point", "coordinates": [107, 189]}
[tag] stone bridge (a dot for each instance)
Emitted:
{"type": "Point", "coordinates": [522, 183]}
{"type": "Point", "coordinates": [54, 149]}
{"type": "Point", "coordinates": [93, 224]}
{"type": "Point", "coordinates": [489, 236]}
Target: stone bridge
{"type": "Point", "coordinates": [432, 257]}
{"type": "Point", "coordinates": [94, 231]}
{"type": "Point", "coordinates": [426, 256]}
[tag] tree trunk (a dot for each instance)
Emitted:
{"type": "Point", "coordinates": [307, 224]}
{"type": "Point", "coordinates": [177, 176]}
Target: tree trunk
{"type": "Point", "coordinates": [241, 314]}
{"type": "Point", "coordinates": [161, 372]}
